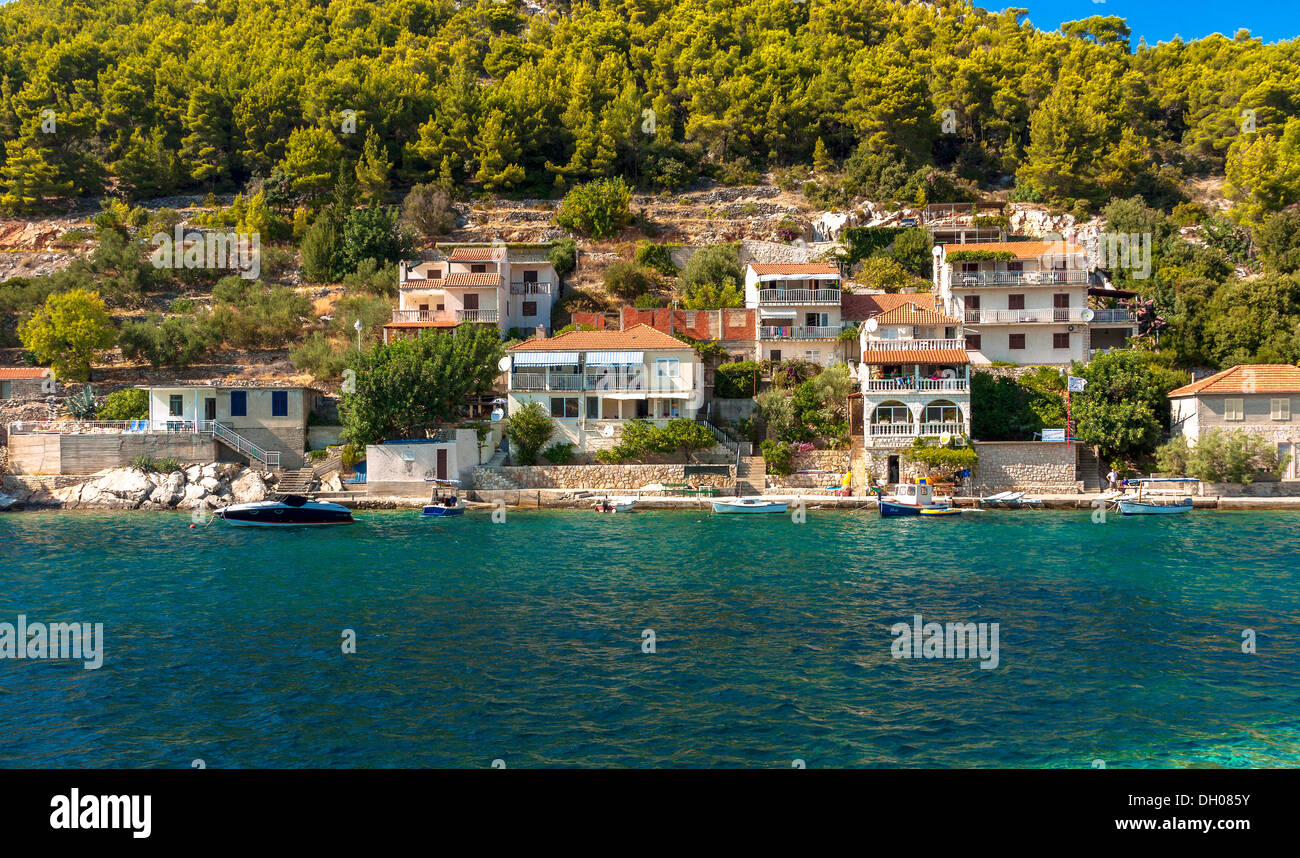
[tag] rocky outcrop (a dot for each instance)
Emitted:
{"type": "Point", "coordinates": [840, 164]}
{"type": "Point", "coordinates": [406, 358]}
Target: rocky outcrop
{"type": "Point", "coordinates": [198, 486]}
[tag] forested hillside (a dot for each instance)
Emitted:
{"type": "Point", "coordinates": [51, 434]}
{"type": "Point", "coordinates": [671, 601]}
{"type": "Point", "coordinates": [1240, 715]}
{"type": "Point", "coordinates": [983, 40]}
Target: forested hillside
{"type": "Point", "coordinates": [151, 98]}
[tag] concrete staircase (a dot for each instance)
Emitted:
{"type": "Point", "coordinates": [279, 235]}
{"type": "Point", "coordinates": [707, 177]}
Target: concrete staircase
{"type": "Point", "coordinates": [296, 482]}
{"type": "Point", "coordinates": [499, 457]}
{"type": "Point", "coordinates": [1087, 469]}
{"type": "Point", "coordinates": [751, 476]}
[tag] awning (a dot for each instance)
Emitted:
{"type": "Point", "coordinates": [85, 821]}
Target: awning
{"type": "Point", "coordinates": [627, 394]}
{"type": "Point", "coordinates": [546, 358]}
{"type": "Point", "coordinates": [764, 313]}
{"type": "Point", "coordinates": [615, 358]}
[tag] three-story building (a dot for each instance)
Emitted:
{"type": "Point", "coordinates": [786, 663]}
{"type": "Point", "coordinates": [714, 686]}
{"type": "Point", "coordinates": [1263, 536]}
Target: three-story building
{"type": "Point", "coordinates": [798, 309]}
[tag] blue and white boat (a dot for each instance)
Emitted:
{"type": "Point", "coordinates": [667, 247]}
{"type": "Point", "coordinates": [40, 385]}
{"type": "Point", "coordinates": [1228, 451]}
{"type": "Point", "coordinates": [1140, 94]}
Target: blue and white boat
{"type": "Point", "coordinates": [748, 505]}
{"type": "Point", "coordinates": [915, 499]}
{"type": "Point", "coordinates": [1158, 496]}
{"type": "Point", "coordinates": [444, 502]}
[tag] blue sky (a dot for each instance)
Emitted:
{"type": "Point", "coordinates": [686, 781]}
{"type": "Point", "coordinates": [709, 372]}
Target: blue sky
{"type": "Point", "coordinates": [1161, 20]}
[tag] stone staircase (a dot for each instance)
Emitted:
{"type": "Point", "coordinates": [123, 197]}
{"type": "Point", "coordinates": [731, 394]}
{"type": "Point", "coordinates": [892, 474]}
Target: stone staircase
{"type": "Point", "coordinates": [751, 476]}
{"type": "Point", "coordinates": [1087, 469]}
{"type": "Point", "coordinates": [499, 457]}
{"type": "Point", "coordinates": [295, 482]}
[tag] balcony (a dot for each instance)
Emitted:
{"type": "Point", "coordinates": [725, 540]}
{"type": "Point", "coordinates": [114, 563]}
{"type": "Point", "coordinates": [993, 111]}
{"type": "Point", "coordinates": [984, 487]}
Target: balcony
{"type": "Point", "coordinates": [1044, 316]}
{"type": "Point", "coordinates": [912, 430]}
{"type": "Point", "coordinates": [799, 296]}
{"type": "Point", "coordinates": [597, 382]}
{"type": "Point", "coordinates": [530, 288]}
{"type": "Point", "coordinates": [912, 384]}
{"type": "Point", "coordinates": [489, 315]}
{"type": "Point", "coordinates": [911, 345]}
{"type": "Point", "coordinates": [1113, 316]}
{"type": "Point", "coordinates": [798, 332]}
{"type": "Point", "coordinates": [1020, 278]}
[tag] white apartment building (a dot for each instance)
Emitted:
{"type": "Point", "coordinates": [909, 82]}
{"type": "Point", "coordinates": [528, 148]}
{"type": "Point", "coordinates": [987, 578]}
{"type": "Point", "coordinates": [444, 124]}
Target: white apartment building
{"type": "Point", "coordinates": [798, 310]}
{"type": "Point", "coordinates": [1026, 302]}
{"type": "Point", "coordinates": [507, 286]}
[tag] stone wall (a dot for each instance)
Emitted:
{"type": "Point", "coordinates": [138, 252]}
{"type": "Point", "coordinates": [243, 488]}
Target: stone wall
{"type": "Point", "coordinates": [611, 477]}
{"type": "Point", "coordinates": [91, 453]}
{"type": "Point", "coordinates": [1026, 466]}
{"type": "Point", "coordinates": [1257, 489]}
{"type": "Point", "coordinates": [835, 461]}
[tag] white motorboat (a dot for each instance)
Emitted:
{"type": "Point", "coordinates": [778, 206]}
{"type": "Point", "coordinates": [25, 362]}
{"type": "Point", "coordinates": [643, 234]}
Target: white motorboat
{"type": "Point", "coordinates": [748, 505]}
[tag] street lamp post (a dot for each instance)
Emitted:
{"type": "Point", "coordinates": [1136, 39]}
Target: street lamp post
{"type": "Point", "coordinates": [357, 325]}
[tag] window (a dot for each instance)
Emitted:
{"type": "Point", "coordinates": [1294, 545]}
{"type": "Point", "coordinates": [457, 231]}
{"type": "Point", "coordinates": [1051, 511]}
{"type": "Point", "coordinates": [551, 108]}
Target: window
{"type": "Point", "coordinates": [1015, 302]}
{"type": "Point", "coordinates": [238, 403]}
{"type": "Point", "coordinates": [279, 403]}
{"type": "Point", "coordinates": [668, 367]}
{"type": "Point", "coordinates": [1279, 409]}
{"type": "Point", "coordinates": [1061, 301]}
{"type": "Point", "coordinates": [970, 268]}
{"type": "Point", "coordinates": [435, 274]}
{"type": "Point", "coordinates": [6, 390]}
{"type": "Point", "coordinates": [973, 342]}
{"type": "Point", "coordinates": [565, 407]}
{"type": "Point", "coordinates": [176, 405]}
{"type": "Point", "coordinates": [941, 412]}
{"type": "Point", "coordinates": [1060, 341]}
{"type": "Point", "coordinates": [1016, 341]}
{"type": "Point", "coordinates": [1234, 409]}
{"type": "Point", "coordinates": [530, 308]}
{"type": "Point", "coordinates": [593, 407]}
{"type": "Point", "coordinates": [892, 414]}
{"type": "Point", "coordinates": [812, 356]}
{"type": "Point", "coordinates": [530, 276]}
{"type": "Point", "coordinates": [774, 355]}
{"type": "Point", "coordinates": [478, 269]}
{"type": "Point", "coordinates": [1016, 265]}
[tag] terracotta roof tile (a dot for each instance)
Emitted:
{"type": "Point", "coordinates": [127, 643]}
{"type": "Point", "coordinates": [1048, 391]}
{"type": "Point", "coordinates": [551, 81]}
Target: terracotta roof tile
{"type": "Point", "coordinates": [911, 314]}
{"type": "Point", "coordinates": [892, 356]}
{"type": "Point", "coordinates": [472, 254]}
{"type": "Point", "coordinates": [766, 268]}
{"type": "Point", "coordinates": [22, 372]}
{"type": "Point", "coordinates": [1251, 378]}
{"type": "Point", "coordinates": [480, 279]}
{"type": "Point", "coordinates": [636, 337]}
{"type": "Point", "coordinates": [1021, 249]}
{"type": "Point", "coordinates": [859, 307]}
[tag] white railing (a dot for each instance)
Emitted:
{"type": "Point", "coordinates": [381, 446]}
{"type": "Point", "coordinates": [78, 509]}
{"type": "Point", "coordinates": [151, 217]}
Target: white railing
{"type": "Point", "coordinates": [542, 288]}
{"type": "Point", "coordinates": [76, 427]}
{"type": "Point", "coordinates": [1109, 315]}
{"type": "Point", "coordinates": [421, 316]}
{"type": "Point", "coordinates": [798, 332]}
{"type": "Point", "coordinates": [913, 345]}
{"type": "Point", "coordinates": [799, 296]}
{"type": "Point", "coordinates": [915, 429]}
{"type": "Point", "coordinates": [908, 383]}
{"type": "Point", "coordinates": [1043, 315]}
{"type": "Point", "coordinates": [596, 383]}
{"type": "Point", "coordinates": [232, 439]}
{"type": "Point", "coordinates": [476, 315]}
{"type": "Point", "coordinates": [1020, 278]}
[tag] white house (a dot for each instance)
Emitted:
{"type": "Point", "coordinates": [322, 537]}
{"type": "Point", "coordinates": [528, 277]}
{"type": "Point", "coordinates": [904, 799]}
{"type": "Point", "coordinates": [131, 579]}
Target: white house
{"type": "Point", "coordinates": [1025, 302]}
{"type": "Point", "coordinates": [798, 307]}
{"type": "Point", "coordinates": [591, 382]}
{"type": "Point", "coordinates": [507, 286]}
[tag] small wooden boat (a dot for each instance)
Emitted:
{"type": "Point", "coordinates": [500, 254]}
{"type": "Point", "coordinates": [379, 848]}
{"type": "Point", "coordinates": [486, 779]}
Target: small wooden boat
{"type": "Point", "coordinates": [748, 505]}
{"type": "Point", "coordinates": [285, 511]}
{"type": "Point", "coordinates": [1158, 496]}
{"type": "Point", "coordinates": [940, 511]}
{"type": "Point", "coordinates": [615, 504]}
{"type": "Point", "coordinates": [911, 499]}
{"type": "Point", "coordinates": [444, 502]}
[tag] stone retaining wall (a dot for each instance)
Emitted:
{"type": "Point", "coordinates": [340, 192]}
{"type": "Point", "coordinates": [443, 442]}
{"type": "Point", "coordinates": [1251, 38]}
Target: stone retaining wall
{"type": "Point", "coordinates": [836, 461]}
{"type": "Point", "coordinates": [1258, 489]}
{"type": "Point", "coordinates": [1026, 466]}
{"type": "Point", "coordinates": [612, 477]}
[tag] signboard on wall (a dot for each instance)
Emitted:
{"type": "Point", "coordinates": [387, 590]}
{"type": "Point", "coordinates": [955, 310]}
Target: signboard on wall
{"type": "Point", "coordinates": [1054, 435]}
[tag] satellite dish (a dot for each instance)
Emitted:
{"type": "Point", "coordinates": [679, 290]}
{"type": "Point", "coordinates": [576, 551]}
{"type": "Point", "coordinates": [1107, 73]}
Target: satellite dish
{"type": "Point", "coordinates": [608, 430]}
{"type": "Point", "coordinates": [1087, 315]}
{"type": "Point", "coordinates": [871, 324]}
{"type": "Point", "coordinates": [504, 364]}
{"type": "Point", "coordinates": [944, 439]}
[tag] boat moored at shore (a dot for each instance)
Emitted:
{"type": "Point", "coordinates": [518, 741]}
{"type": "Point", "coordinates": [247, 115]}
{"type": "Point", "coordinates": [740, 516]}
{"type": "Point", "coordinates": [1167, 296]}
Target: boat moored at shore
{"type": "Point", "coordinates": [914, 499]}
{"type": "Point", "coordinates": [1159, 496]}
{"type": "Point", "coordinates": [748, 505]}
{"type": "Point", "coordinates": [286, 511]}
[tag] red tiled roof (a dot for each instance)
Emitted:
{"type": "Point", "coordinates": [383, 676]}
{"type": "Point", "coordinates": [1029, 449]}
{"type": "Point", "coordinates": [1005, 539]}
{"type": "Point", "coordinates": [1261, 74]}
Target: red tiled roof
{"type": "Point", "coordinates": [1020, 249]}
{"type": "Point", "coordinates": [854, 307]}
{"type": "Point", "coordinates": [893, 356]}
{"type": "Point", "coordinates": [1246, 379]}
{"type": "Point", "coordinates": [472, 254]}
{"type": "Point", "coordinates": [636, 337]}
{"type": "Point", "coordinates": [480, 279]}
{"type": "Point", "coordinates": [22, 372]}
{"type": "Point", "coordinates": [765, 268]}
{"type": "Point", "coordinates": [910, 314]}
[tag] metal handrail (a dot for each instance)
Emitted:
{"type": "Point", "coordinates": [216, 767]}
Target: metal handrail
{"type": "Point", "coordinates": [271, 458]}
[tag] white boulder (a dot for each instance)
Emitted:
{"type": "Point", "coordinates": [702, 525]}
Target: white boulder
{"type": "Point", "coordinates": [249, 488]}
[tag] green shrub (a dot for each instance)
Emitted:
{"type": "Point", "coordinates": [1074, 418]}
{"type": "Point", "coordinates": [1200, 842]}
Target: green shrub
{"type": "Point", "coordinates": [656, 256]}
{"type": "Point", "coordinates": [778, 457]}
{"type": "Point", "coordinates": [144, 462]}
{"type": "Point", "coordinates": [129, 404]}
{"type": "Point", "coordinates": [599, 208]}
{"type": "Point", "coordinates": [81, 404]}
{"type": "Point", "coordinates": [167, 465]}
{"type": "Point", "coordinates": [736, 380]}
{"type": "Point", "coordinates": [528, 430]}
{"type": "Point", "coordinates": [563, 256]}
{"type": "Point", "coordinates": [629, 281]}
{"type": "Point", "coordinates": [943, 461]}
{"type": "Point", "coordinates": [1222, 456]}
{"type": "Point", "coordinates": [173, 341]}
{"type": "Point", "coordinates": [560, 453]}
{"type": "Point", "coordinates": [320, 357]}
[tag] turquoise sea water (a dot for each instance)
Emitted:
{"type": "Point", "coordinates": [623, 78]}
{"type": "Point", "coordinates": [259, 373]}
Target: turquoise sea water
{"type": "Point", "coordinates": [522, 641]}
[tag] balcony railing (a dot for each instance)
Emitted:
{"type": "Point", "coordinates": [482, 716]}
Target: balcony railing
{"type": "Point", "coordinates": [422, 316]}
{"type": "Point", "coordinates": [1044, 316]}
{"type": "Point", "coordinates": [799, 296]}
{"type": "Point", "coordinates": [914, 429]}
{"type": "Point", "coordinates": [596, 383]}
{"type": "Point", "coordinates": [911, 384]}
{"type": "Point", "coordinates": [530, 288]}
{"type": "Point", "coordinates": [798, 332]}
{"type": "Point", "coordinates": [1107, 315]}
{"type": "Point", "coordinates": [1020, 278]}
{"type": "Point", "coordinates": [476, 315]}
{"type": "Point", "coordinates": [913, 345]}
